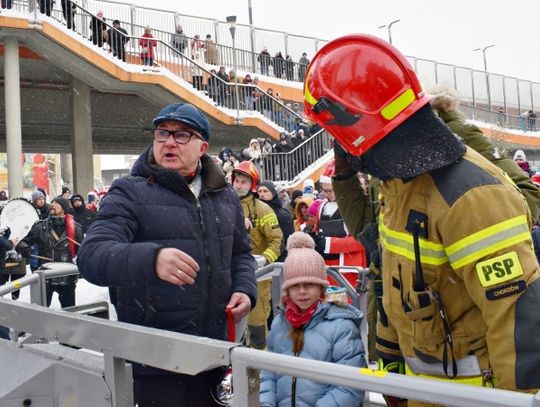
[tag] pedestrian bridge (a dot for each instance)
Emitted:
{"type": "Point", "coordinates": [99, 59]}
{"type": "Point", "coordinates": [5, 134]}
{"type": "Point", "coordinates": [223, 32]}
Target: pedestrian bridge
{"type": "Point", "coordinates": [77, 98]}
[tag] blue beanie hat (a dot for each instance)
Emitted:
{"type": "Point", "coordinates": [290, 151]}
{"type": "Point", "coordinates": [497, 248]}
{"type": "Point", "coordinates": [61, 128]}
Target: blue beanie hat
{"type": "Point", "coordinates": [185, 113]}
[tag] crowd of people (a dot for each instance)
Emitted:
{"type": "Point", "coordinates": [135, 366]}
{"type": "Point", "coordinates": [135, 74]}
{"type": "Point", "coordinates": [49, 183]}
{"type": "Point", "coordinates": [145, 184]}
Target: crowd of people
{"type": "Point", "coordinates": [56, 236]}
{"type": "Point", "coordinates": [443, 220]}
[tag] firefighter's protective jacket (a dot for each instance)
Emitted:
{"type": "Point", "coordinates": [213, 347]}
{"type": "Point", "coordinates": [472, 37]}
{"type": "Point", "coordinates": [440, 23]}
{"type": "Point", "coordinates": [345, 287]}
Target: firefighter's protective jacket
{"type": "Point", "coordinates": [477, 306]}
{"type": "Point", "coordinates": [474, 138]}
{"type": "Point", "coordinates": [265, 233]}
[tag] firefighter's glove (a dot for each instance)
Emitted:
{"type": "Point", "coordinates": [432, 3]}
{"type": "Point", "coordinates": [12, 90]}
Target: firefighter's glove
{"type": "Point", "coordinates": [369, 237]}
{"type": "Point", "coordinates": [346, 165]}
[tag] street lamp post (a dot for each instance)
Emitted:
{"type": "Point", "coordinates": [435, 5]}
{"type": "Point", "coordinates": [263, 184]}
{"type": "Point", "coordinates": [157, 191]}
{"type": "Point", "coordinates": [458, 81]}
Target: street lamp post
{"type": "Point", "coordinates": [389, 27]}
{"type": "Point", "coordinates": [486, 71]}
{"type": "Point", "coordinates": [231, 20]}
{"type": "Point", "coordinates": [251, 36]}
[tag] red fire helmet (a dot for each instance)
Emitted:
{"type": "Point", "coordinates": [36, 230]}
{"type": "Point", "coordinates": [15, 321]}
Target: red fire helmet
{"type": "Point", "coordinates": [359, 88]}
{"type": "Point", "coordinates": [248, 169]}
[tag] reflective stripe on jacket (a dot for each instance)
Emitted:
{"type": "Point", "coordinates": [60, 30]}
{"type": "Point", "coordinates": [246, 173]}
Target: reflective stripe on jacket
{"type": "Point", "coordinates": [472, 230]}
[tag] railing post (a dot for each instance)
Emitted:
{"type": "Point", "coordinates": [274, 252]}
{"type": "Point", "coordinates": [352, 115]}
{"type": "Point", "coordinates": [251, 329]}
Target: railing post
{"type": "Point", "coordinates": [436, 72]}
{"type": "Point", "coordinates": [472, 87]}
{"type": "Point", "coordinates": [316, 45]}
{"type": "Point", "coordinates": [84, 20]}
{"type": "Point", "coordinates": [216, 38]}
{"type": "Point", "coordinates": [133, 17]}
{"type": "Point", "coordinates": [532, 98]}
{"type": "Point", "coordinates": [253, 55]}
{"type": "Point", "coordinates": [504, 94]}
{"type": "Point", "coordinates": [454, 77]}
{"type": "Point", "coordinates": [242, 395]}
{"type": "Point", "coordinates": [518, 97]}
{"type": "Point", "coordinates": [286, 40]}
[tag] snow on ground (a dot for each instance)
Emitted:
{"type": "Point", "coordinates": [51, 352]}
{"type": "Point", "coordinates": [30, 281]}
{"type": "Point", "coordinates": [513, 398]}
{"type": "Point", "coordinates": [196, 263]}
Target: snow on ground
{"type": "Point", "coordinates": [85, 293]}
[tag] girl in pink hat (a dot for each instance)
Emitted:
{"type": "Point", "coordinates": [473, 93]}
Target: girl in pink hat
{"type": "Point", "coordinates": [316, 323]}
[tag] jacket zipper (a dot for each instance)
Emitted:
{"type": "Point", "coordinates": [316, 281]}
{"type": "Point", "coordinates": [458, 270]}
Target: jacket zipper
{"type": "Point", "coordinates": [293, 387]}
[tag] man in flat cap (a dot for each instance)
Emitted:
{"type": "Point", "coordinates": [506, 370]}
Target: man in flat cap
{"type": "Point", "coordinates": [171, 238]}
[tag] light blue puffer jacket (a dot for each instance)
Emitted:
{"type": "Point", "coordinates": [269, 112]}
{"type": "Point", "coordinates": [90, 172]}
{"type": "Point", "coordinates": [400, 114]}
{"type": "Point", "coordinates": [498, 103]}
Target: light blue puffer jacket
{"type": "Point", "coordinates": [332, 335]}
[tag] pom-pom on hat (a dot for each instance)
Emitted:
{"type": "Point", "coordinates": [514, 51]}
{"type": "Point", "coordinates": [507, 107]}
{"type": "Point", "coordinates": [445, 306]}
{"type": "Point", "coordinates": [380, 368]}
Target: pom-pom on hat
{"type": "Point", "coordinates": [303, 264]}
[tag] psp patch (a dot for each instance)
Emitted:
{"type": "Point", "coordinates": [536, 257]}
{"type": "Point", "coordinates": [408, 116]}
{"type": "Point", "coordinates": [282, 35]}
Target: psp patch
{"type": "Point", "coordinates": [499, 269]}
{"type": "Point", "coordinates": [506, 290]}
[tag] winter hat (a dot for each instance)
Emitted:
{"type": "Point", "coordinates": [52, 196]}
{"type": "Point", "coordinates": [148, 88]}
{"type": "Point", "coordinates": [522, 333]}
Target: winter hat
{"type": "Point", "coordinates": [63, 202]}
{"type": "Point", "coordinates": [271, 187]}
{"type": "Point", "coordinates": [185, 113]}
{"type": "Point", "coordinates": [36, 195]}
{"type": "Point", "coordinates": [520, 155]}
{"type": "Point", "coordinates": [309, 187]}
{"type": "Point", "coordinates": [75, 198]}
{"type": "Point", "coordinates": [314, 208]}
{"type": "Point", "coordinates": [65, 189]}
{"type": "Point", "coordinates": [303, 264]}
{"type": "Point", "coordinates": [296, 194]}
{"type": "Point", "coordinates": [328, 173]}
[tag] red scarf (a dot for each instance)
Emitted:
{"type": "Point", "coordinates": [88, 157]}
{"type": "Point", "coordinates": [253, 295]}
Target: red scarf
{"type": "Point", "coordinates": [295, 316]}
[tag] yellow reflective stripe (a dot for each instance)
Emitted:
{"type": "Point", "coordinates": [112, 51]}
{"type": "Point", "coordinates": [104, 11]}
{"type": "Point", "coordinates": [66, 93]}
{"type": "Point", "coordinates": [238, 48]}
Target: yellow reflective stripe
{"type": "Point", "coordinates": [472, 381]}
{"type": "Point", "coordinates": [270, 255]}
{"type": "Point", "coordinates": [399, 104]}
{"type": "Point", "coordinates": [488, 241]}
{"type": "Point", "coordinates": [308, 97]}
{"type": "Point", "coordinates": [402, 244]}
{"type": "Point", "coordinates": [270, 218]}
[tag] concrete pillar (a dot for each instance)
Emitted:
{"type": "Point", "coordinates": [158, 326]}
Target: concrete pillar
{"type": "Point", "coordinates": [81, 139]}
{"type": "Point", "coordinates": [13, 117]}
{"type": "Point", "coordinates": [97, 167]}
{"type": "Point", "coordinates": [66, 171]}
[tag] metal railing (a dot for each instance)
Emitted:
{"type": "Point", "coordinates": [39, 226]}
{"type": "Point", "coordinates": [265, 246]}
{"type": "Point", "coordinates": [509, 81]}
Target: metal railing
{"type": "Point", "coordinates": [154, 54]}
{"type": "Point", "coordinates": [512, 94]}
{"type": "Point", "coordinates": [188, 354]}
{"type": "Point", "coordinates": [287, 167]}
{"type": "Point", "coordinates": [479, 88]}
{"type": "Point", "coordinates": [499, 119]}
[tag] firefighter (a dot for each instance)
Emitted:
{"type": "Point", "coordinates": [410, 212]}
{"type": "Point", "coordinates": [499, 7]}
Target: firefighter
{"type": "Point", "coordinates": [460, 279]}
{"type": "Point", "coordinates": [265, 236]}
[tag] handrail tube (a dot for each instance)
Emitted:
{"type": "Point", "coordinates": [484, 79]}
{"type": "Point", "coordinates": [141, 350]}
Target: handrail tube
{"type": "Point", "coordinates": [172, 351]}
{"type": "Point", "coordinates": [414, 388]}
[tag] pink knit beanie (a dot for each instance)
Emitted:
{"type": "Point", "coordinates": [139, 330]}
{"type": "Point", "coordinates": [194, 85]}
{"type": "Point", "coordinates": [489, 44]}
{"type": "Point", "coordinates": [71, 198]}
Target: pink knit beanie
{"type": "Point", "coordinates": [314, 207]}
{"type": "Point", "coordinates": [303, 264]}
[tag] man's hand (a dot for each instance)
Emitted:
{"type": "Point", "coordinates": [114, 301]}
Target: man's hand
{"type": "Point", "coordinates": [240, 305]}
{"type": "Point", "coordinates": [176, 267]}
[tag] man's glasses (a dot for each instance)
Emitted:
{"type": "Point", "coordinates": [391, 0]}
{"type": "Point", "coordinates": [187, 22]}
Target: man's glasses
{"type": "Point", "coordinates": [328, 191]}
{"type": "Point", "coordinates": [180, 136]}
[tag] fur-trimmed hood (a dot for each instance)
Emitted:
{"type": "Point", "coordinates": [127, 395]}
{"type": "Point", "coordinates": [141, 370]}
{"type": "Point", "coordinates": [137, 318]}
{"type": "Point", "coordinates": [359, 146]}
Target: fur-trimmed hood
{"type": "Point", "coordinates": [444, 98]}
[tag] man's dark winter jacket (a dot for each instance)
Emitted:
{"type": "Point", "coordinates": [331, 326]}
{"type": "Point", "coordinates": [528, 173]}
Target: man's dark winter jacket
{"type": "Point", "coordinates": [153, 209]}
{"type": "Point", "coordinates": [83, 216]}
{"type": "Point", "coordinates": [285, 221]}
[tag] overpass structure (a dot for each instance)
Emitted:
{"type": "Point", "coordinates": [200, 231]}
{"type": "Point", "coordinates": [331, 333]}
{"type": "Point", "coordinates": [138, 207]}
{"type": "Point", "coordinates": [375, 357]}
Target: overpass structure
{"type": "Point", "coordinates": [63, 94]}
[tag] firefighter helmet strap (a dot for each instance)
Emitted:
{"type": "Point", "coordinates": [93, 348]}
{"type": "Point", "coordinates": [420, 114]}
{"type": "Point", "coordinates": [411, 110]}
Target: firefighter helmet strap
{"type": "Point", "coordinates": [341, 116]}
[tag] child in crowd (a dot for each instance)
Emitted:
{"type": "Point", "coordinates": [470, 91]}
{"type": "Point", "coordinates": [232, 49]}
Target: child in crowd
{"type": "Point", "coordinates": [314, 326]}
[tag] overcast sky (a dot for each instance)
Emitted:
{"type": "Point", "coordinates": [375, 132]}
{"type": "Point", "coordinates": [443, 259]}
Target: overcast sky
{"type": "Point", "coordinates": [446, 31]}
